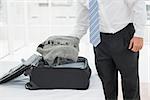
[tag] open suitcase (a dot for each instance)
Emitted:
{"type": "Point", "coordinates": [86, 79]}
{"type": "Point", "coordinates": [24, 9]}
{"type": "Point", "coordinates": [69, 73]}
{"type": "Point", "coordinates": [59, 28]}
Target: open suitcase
{"type": "Point", "coordinates": [68, 76]}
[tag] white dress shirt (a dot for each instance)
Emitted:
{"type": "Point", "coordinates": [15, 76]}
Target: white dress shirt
{"type": "Point", "coordinates": [114, 16]}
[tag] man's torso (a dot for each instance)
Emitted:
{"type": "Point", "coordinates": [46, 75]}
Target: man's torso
{"type": "Point", "coordinates": [114, 14]}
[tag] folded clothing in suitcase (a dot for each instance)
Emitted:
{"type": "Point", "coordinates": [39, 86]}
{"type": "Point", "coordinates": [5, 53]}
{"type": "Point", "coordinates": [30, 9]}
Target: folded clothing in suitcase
{"type": "Point", "coordinates": [67, 76]}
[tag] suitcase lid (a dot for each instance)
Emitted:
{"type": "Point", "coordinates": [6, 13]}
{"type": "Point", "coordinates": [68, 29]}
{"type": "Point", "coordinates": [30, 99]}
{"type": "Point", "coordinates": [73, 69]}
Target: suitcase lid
{"type": "Point", "coordinates": [20, 69]}
{"type": "Point", "coordinates": [13, 73]}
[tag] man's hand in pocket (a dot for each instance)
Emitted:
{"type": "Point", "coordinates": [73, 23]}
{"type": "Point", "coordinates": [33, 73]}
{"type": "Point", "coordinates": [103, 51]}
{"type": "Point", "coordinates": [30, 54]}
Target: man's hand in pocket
{"type": "Point", "coordinates": [136, 44]}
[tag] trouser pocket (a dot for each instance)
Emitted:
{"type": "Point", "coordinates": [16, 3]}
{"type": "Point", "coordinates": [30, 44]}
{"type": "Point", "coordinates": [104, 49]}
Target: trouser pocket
{"type": "Point", "coordinates": [128, 35]}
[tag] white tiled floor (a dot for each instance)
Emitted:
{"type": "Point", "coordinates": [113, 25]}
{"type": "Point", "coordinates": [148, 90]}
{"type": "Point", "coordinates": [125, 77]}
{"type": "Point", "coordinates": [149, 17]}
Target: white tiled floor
{"type": "Point", "coordinates": [15, 90]}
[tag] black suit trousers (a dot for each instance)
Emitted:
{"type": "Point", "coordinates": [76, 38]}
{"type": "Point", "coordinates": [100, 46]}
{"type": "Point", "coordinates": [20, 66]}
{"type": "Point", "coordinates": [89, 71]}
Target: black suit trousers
{"type": "Point", "coordinates": [112, 55]}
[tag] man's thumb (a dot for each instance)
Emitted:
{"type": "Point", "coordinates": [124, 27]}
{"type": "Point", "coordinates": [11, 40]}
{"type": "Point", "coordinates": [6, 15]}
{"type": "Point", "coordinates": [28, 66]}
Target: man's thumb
{"type": "Point", "coordinates": [131, 44]}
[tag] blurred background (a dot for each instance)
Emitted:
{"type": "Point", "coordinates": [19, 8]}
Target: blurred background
{"type": "Point", "coordinates": [26, 23]}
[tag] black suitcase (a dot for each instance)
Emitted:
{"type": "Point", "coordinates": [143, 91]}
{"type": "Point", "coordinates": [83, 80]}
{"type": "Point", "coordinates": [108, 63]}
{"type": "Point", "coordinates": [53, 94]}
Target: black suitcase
{"type": "Point", "coordinates": [43, 76]}
{"type": "Point", "coordinates": [68, 77]}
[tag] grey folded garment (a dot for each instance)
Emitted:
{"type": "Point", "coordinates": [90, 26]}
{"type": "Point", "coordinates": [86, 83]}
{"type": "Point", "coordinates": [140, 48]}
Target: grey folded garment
{"type": "Point", "coordinates": [59, 48]}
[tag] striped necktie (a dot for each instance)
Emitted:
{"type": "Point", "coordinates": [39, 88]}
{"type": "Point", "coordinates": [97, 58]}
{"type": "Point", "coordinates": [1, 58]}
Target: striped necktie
{"type": "Point", "coordinates": [94, 22]}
